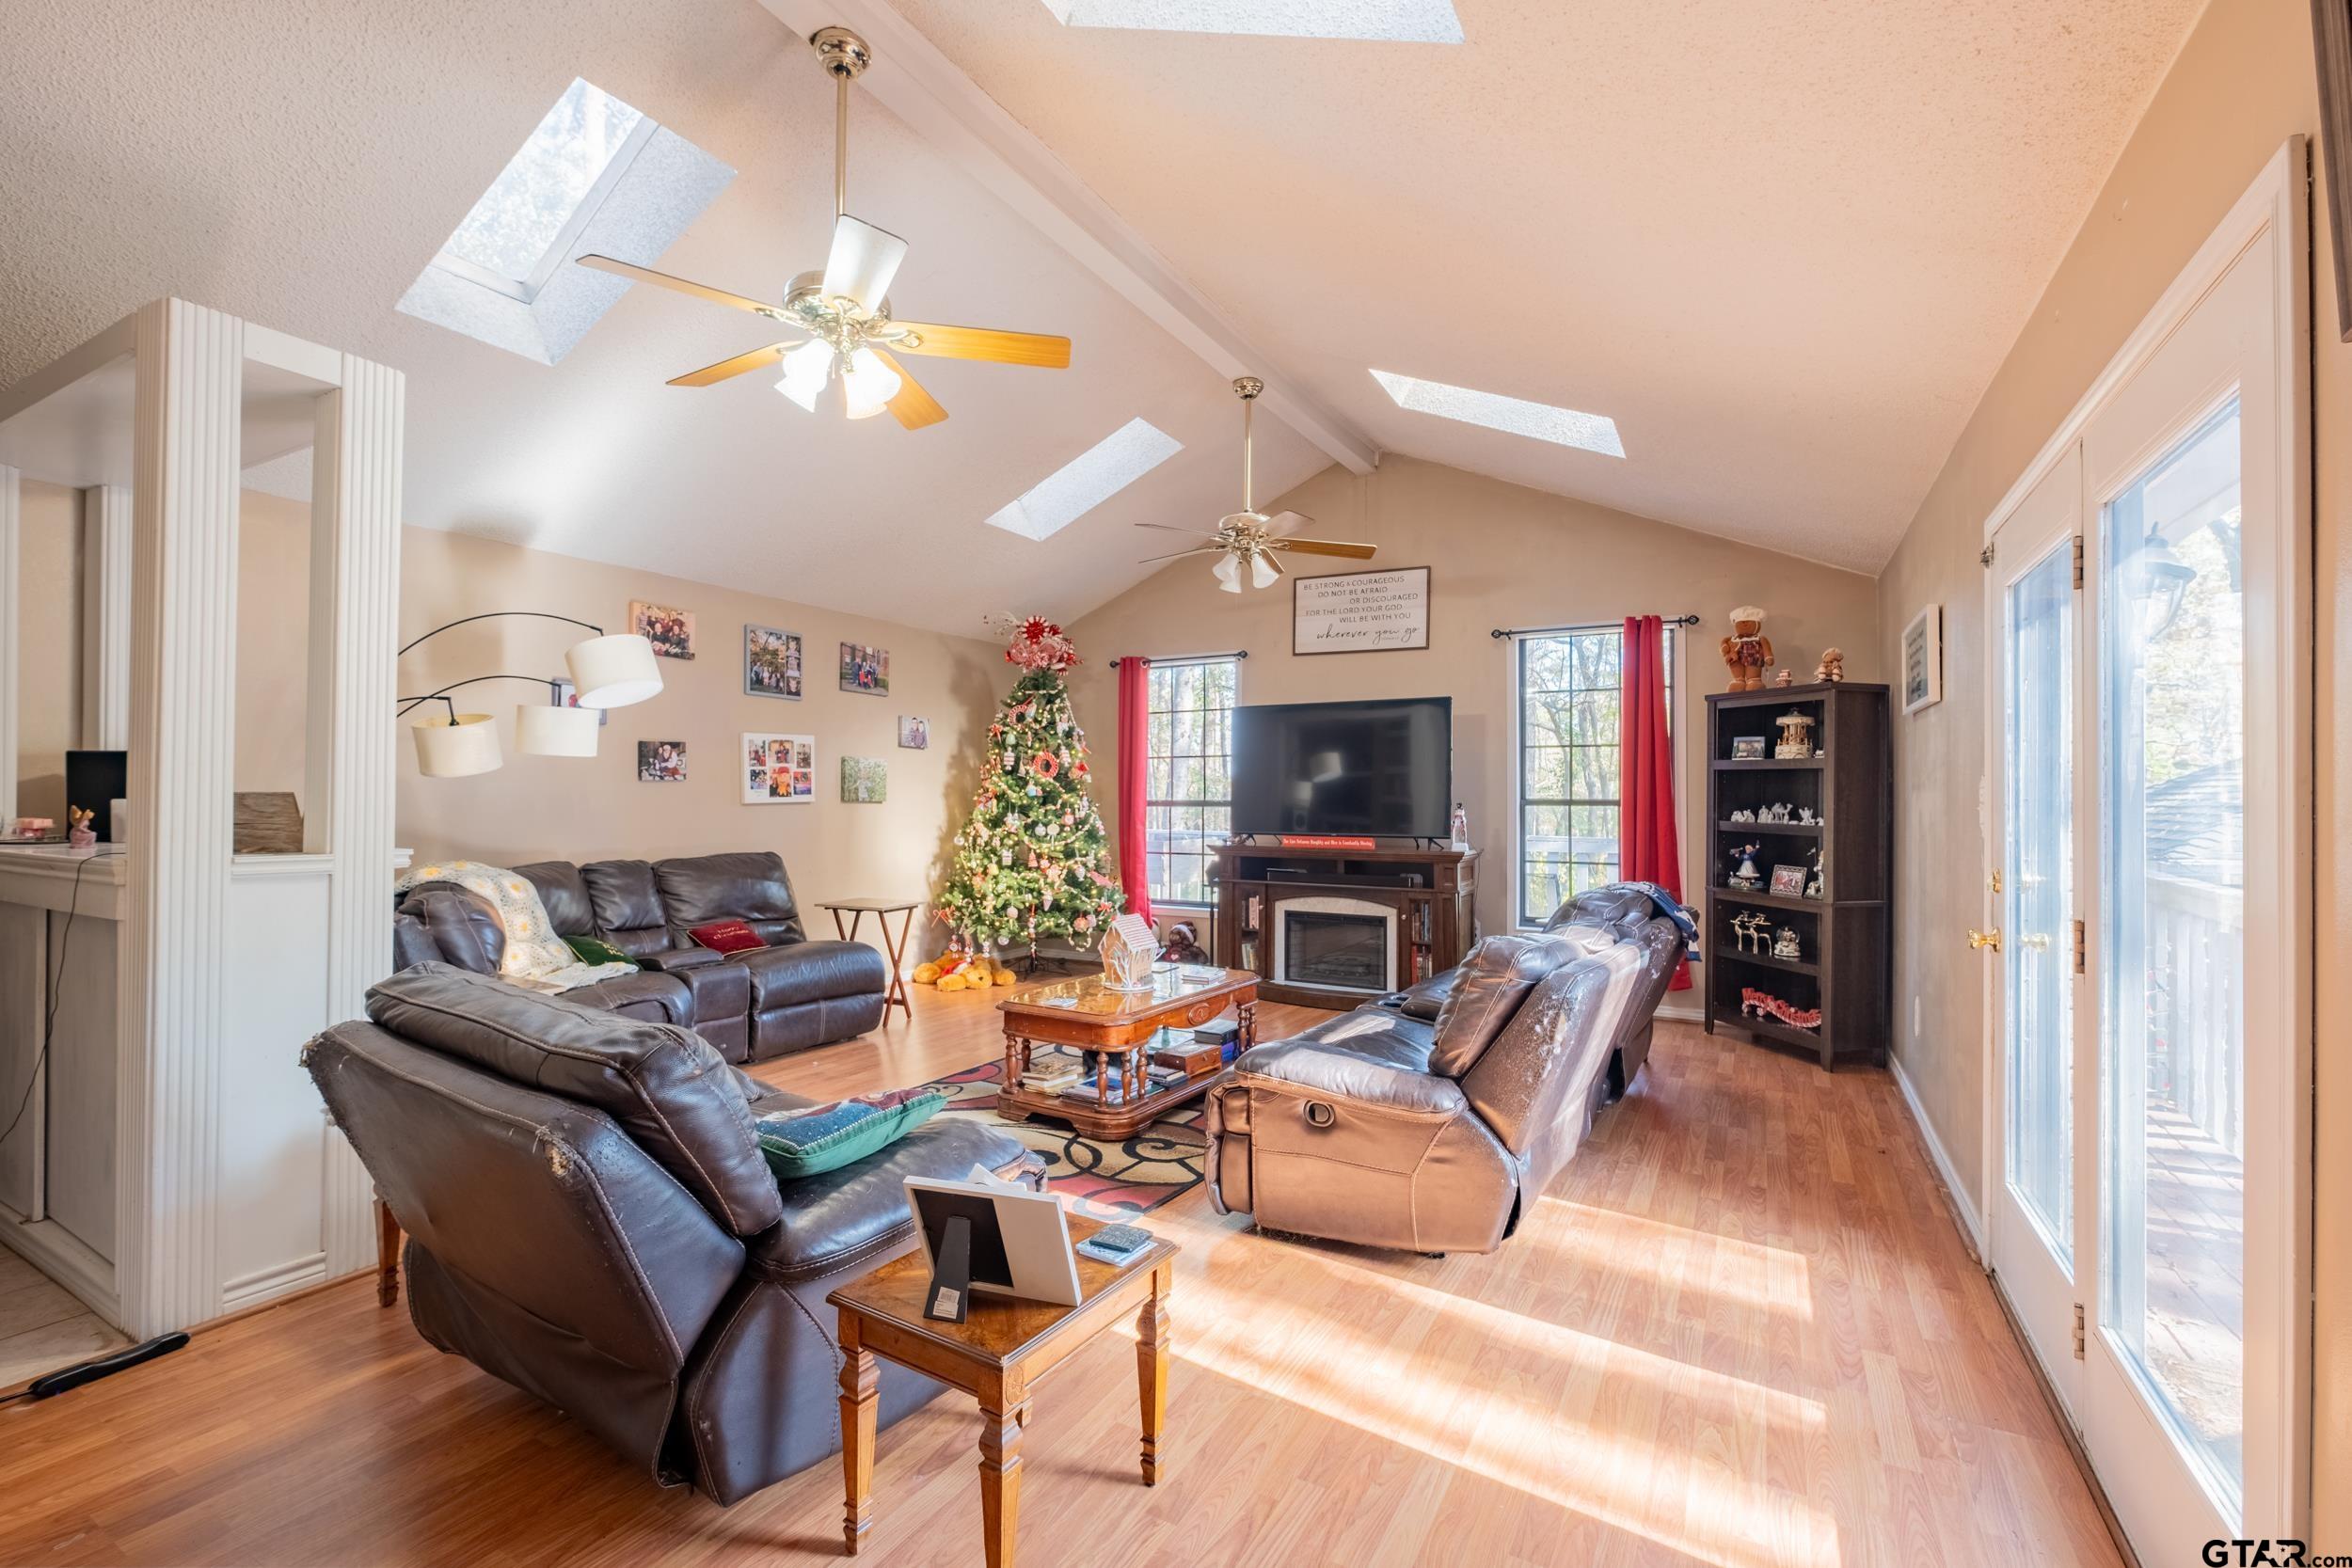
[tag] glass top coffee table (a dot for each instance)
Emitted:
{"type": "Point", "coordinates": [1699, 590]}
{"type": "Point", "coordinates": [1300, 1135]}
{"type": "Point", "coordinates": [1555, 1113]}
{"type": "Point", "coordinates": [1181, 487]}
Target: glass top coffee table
{"type": "Point", "coordinates": [1120, 1027]}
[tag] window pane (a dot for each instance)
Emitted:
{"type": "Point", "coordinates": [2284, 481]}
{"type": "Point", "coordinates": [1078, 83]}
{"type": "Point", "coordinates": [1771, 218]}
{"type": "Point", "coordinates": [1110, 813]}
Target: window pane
{"type": "Point", "coordinates": [1189, 778]}
{"type": "Point", "coordinates": [2039, 857]}
{"type": "Point", "coordinates": [1570, 705]}
{"type": "Point", "coordinates": [2172, 1047]}
{"type": "Point", "coordinates": [510, 228]}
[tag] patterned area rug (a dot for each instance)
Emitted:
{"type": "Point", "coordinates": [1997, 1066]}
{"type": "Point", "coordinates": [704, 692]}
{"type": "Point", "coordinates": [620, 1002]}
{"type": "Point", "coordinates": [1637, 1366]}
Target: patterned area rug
{"type": "Point", "coordinates": [1099, 1180]}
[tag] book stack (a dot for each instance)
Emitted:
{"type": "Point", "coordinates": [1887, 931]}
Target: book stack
{"type": "Point", "coordinates": [1050, 1072]}
{"type": "Point", "coordinates": [1113, 1082]}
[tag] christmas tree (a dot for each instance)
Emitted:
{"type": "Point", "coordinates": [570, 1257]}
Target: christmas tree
{"type": "Point", "coordinates": [1032, 862]}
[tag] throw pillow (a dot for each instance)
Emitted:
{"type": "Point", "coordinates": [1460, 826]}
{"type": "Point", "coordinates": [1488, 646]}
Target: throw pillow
{"type": "Point", "coordinates": [596, 950]}
{"type": "Point", "coordinates": [817, 1138]}
{"type": "Point", "coordinates": [726, 936]}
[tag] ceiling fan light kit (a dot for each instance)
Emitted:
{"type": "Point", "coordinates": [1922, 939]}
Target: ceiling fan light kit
{"type": "Point", "coordinates": [845, 309]}
{"type": "Point", "coordinates": [1249, 536]}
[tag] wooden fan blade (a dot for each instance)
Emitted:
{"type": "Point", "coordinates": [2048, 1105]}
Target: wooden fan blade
{"type": "Point", "coordinates": [684, 286]}
{"type": "Point", "coordinates": [912, 406]}
{"type": "Point", "coordinates": [983, 342]}
{"type": "Point", "coordinates": [1177, 555]}
{"type": "Point", "coordinates": [1322, 546]}
{"type": "Point", "coordinates": [728, 369]}
{"type": "Point", "coordinates": [1171, 528]}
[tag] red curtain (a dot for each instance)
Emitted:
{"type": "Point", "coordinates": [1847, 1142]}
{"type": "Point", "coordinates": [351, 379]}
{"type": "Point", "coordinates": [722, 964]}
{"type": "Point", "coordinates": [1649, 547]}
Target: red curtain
{"type": "Point", "coordinates": [1645, 814]}
{"type": "Point", "coordinates": [1135, 761]}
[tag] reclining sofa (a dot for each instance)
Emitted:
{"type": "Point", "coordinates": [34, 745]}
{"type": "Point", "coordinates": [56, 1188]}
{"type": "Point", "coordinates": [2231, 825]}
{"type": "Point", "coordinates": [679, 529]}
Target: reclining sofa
{"type": "Point", "coordinates": [788, 996]}
{"type": "Point", "coordinates": [1427, 1121]}
{"type": "Point", "coordinates": [590, 1219]}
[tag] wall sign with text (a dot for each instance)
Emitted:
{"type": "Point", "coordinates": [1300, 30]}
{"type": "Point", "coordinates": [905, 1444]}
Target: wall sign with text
{"type": "Point", "coordinates": [1361, 612]}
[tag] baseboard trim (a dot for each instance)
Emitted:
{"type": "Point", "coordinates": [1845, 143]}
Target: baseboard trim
{"type": "Point", "coordinates": [1955, 1194]}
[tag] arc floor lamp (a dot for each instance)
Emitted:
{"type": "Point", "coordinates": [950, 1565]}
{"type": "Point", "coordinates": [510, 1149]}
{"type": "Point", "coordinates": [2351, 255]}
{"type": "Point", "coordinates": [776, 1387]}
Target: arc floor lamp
{"type": "Point", "coordinates": [607, 671]}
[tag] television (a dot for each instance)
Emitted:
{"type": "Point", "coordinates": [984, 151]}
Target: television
{"type": "Point", "coordinates": [1379, 769]}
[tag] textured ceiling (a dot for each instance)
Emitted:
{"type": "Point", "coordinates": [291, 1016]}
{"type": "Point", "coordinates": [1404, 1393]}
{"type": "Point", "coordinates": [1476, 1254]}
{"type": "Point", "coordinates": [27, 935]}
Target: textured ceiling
{"type": "Point", "coordinates": [1784, 244]}
{"type": "Point", "coordinates": [297, 164]}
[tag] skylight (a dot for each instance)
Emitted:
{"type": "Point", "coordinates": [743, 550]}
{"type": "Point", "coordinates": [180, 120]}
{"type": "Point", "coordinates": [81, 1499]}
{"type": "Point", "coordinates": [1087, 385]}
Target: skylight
{"type": "Point", "coordinates": [1088, 480]}
{"type": "Point", "coordinates": [1391, 21]}
{"type": "Point", "coordinates": [1513, 415]}
{"type": "Point", "coordinates": [520, 228]}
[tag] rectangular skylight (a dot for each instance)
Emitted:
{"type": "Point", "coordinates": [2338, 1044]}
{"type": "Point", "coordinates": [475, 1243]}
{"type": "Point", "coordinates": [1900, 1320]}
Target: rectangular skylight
{"type": "Point", "coordinates": [520, 228]}
{"type": "Point", "coordinates": [1515, 415]}
{"type": "Point", "coordinates": [1088, 480]}
{"type": "Point", "coordinates": [1393, 21]}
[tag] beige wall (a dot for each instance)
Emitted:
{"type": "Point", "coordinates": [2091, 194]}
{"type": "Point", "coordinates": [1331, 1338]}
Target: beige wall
{"type": "Point", "coordinates": [1498, 556]}
{"type": "Point", "coordinates": [49, 644]}
{"type": "Point", "coordinates": [538, 808]}
{"type": "Point", "coordinates": [2243, 83]}
{"type": "Point", "coordinates": [273, 643]}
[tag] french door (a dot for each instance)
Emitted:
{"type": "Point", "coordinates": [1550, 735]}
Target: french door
{"type": "Point", "coordinates": [2148, 1195]}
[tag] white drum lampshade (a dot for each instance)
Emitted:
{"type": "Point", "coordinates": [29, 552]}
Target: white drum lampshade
{"type": "Point", "coordinates": [545, 730]}
{"type": "Point", "coordinates": [613, 672]}
{"type": "Point", "coordinates": [447, 751]}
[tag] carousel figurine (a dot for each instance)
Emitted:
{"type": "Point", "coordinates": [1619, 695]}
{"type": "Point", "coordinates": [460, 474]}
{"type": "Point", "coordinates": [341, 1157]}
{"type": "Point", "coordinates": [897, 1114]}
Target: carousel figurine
{"type": "Point", "coordinates": [1796, 735]}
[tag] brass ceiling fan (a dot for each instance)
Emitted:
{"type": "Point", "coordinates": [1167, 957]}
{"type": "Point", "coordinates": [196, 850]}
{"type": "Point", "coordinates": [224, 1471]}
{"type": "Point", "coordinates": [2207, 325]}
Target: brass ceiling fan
{"type": "Point", "coordinates": [845, 309]}
{"type": "Point", "coordinates": [1249, 537]}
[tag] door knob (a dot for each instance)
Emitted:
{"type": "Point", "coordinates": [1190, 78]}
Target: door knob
{"type": "Point", "coordinates": [1985, 938]}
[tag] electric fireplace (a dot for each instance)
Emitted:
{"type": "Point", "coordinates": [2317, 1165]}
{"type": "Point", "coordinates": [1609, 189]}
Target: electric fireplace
{"type": "Point", "coordinates": [1343, 945]}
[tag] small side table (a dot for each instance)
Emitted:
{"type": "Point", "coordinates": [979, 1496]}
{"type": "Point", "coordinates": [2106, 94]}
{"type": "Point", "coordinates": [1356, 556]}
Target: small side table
{"type": "Point", "coordinates": [1002, 1347]}
{"type": "Point", "coordinates": [881, 909]}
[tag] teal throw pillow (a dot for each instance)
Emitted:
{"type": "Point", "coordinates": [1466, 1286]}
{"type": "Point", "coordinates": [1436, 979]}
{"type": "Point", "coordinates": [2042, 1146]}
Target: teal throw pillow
{"type": "Point", "coordinates": [817, 1138]}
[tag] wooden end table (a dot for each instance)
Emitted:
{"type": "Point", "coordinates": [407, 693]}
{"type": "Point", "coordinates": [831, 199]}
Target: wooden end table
{"type": "Point", "coordinates": [881, 909]}
{"type": "Point", "coordinates": [997, 1356]}
{"type": "Point", "coordinates": [1088, 1015]}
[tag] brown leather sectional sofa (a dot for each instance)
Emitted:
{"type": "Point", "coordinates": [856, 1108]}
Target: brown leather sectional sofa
{"type": "Point", "coordinates": [1428, 1120]}
{"type": "Point", "coordinates": [590, 1219]}
{"type": "Point", "coordinates": [788, 996]}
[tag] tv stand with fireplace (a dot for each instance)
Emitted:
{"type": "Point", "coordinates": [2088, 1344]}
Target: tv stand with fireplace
{"type": "Point", "coordinates": [1333, 928]}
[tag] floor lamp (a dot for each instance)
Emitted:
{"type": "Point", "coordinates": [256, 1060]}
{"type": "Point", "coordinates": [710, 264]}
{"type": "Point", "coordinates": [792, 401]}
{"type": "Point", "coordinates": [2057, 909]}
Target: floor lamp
{"type": "Point", "coordinates": [606, 671]}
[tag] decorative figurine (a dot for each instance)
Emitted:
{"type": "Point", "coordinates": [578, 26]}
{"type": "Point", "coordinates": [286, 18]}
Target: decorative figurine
{"type": "Point", "coordinates": [1787, 677]}
{"type": "Point", "coordinates": [1184, 945]}
{"type": "Point", "coordinates": [1765, 1004]}
{"type": "Point", "coordinates": [1813, 887]}
{"type": "Point", "coordinates": [1747, 651]}
{"type": "Point", "coordinates": [1831, 668]}
{"type": "Point", "coordinates": [1796, 735]}
{"type": "Point", "coordinates": [1805, 817]}
{"type": "Point", "coordinates": [1747, 879]}
{"type": "Point", "coordinates": [1749, 928]}
{"type": "Point", "coordinates": [1785, 945]}
{"type": "Point", "coordinates": [78, 832]}
{"type": "Point", "coordinates": [1745, 814]}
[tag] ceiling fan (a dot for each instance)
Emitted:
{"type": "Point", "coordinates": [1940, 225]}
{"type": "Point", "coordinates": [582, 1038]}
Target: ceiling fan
{"type": "Point", "coordinates": [1249, 537]}
{"type": "Point", "coordinates": [845, 309]}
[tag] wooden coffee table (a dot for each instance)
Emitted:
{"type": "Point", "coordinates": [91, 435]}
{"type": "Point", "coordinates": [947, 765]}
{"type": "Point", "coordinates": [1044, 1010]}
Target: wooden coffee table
{"type": "Point", "coordinates": [1004, 1346]}
{"type": "Point", "coordinates": [1090, 1016]}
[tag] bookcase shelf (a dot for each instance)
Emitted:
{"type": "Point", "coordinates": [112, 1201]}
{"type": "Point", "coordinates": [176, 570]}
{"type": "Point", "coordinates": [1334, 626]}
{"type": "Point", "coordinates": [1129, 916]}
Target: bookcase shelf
{"type": "Point", "coordinates": [1846, 968]}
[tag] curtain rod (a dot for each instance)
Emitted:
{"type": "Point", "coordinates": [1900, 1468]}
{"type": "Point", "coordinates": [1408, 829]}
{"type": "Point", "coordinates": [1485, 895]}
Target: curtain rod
{"type": "Point", "coordinates": [1500, 632]}
{"type": "Point", "coordinates": [1183, 659]}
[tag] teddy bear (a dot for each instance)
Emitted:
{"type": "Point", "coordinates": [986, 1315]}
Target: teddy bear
{"type": "Point", "coordinates": [1833, 666]}
{"type": "Point", "coordinates": [1747, 651]}
{"type": "Point", "coordinates": [1184, 945]}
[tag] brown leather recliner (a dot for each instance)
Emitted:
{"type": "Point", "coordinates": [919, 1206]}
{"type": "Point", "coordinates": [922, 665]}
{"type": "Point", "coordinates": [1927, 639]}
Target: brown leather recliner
{"type": "Point", "coordinates": [792, 994]}
{"type": "Point", "coordinates": [590, 1219]}
{"type": "Point", "coordinates": [1429, 1121]}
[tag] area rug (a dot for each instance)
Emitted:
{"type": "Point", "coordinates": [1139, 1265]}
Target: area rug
{"type": "Point", "coordinates": [1101, 1179]}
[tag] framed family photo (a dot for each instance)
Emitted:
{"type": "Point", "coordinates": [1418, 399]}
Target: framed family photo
{"type": "Point", "coordinates": [772, 663]}
{"type": "Point", "coordinates": [661, 762]}
{"type": "Point", "coordinates": [915, 735]}
{"type": "Point", "coordinates": [866, 670]}
{"type": "Point", "coordinates": [779, 769]}
{"type": "Point", "coordinates": [670, 631]}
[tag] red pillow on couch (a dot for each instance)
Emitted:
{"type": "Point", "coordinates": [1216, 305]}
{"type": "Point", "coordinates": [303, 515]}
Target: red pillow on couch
{"type": "Point", "coordinates": [726, 936]}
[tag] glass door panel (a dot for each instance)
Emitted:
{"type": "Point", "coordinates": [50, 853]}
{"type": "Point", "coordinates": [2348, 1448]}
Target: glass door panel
{"type": "Point", "coordinates": [2038, 899]}
{"type": "Point", "coordinates": [2172, 1039]}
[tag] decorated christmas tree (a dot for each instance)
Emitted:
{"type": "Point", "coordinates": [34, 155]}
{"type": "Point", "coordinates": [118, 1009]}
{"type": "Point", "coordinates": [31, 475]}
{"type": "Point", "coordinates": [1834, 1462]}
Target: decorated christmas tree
{"type": "Point", "coordinates": [1031, 863]}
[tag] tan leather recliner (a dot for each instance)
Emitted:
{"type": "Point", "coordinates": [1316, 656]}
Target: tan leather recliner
{"type": "Point", "coordinates": [1427, 1121]}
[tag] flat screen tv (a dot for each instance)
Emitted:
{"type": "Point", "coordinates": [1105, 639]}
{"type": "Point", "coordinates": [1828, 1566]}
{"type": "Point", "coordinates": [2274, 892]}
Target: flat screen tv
{"type": "Point", "coordinates": [1382, 769]}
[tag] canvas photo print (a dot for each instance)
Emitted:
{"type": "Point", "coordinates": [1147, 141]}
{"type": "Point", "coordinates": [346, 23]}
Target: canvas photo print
{"type": "Point", "coordinates": [865, 669]}
{"type": "Point", "coordinates": [864, 781]}
{"type": "Point", "coordinates": [661, 761]}
{"type": "Point", "coordinates": [915, 735]}
{"type": "Point", "coordinates": [772, 662]}
{"type": "Point", "coordinates": [670, 631]}
{"type": "Point", "coordinates": [779, 769]}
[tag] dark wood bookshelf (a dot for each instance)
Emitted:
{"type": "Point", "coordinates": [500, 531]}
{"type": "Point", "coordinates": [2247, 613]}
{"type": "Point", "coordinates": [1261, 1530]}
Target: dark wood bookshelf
{"type": "Point", "coordinates": [1846, 963]}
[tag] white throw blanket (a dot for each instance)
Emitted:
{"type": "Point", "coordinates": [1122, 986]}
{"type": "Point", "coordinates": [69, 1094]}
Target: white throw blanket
{"type": "Point", "coordinates": [535, 957]}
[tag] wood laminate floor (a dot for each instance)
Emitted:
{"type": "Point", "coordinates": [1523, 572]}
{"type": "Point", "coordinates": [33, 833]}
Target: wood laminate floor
{"type": "Point", "coordinates": [1740, 1331]}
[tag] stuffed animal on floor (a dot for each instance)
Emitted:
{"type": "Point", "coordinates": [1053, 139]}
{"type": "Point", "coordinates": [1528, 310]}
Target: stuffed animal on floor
{"type": "Point", "coordinates": [1184, 945]}
{"type": "Point", "coordinates": [956, 971]}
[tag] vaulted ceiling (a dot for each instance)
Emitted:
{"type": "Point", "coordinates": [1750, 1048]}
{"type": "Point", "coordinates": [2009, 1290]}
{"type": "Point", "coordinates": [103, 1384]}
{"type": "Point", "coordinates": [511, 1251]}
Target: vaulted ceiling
{"type": "Point", "coordinates": [1782, 243]}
